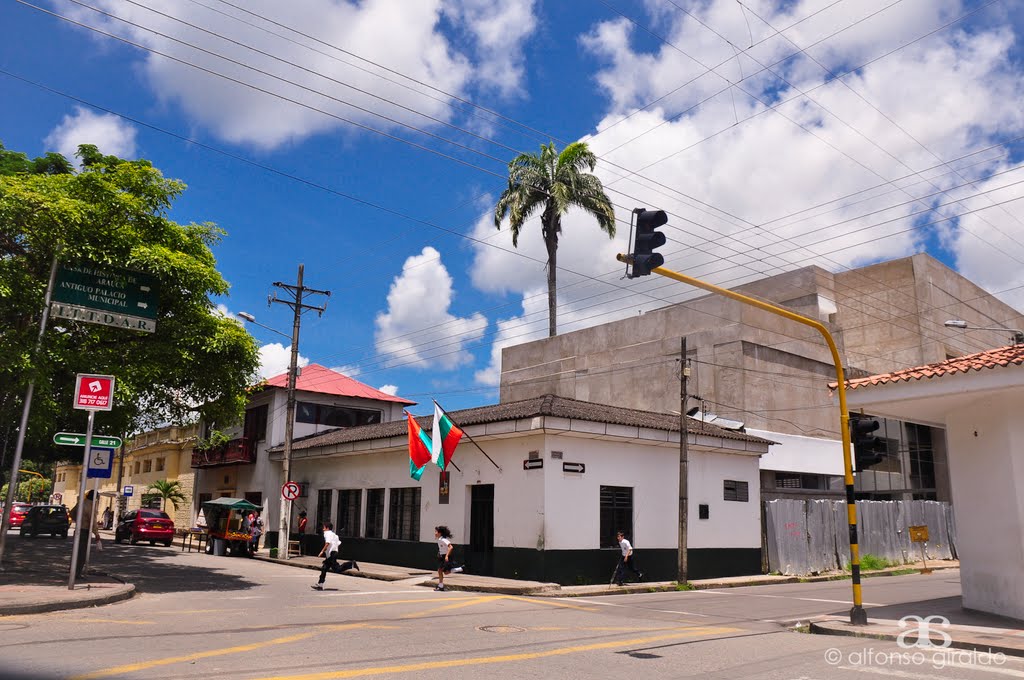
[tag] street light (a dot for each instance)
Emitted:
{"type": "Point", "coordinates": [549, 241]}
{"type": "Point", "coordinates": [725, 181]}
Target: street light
{"type": "Point", "coordinates": [246, 316]}
{"type": "Point", "coordinates": [1016, 337]}
{"type": "Point", "coordinates": [285, 520]}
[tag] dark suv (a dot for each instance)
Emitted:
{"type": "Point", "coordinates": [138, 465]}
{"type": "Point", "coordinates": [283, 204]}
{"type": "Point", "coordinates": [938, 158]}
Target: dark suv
{"type": "Point", "coordinates": [46, 519]}
{"type": "Point", "coordinates": [145, 525]}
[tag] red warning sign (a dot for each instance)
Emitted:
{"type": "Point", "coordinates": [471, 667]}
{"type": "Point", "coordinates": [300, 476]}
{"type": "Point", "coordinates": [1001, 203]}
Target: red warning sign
{"type": "Point", "coordinates": [94, 392]}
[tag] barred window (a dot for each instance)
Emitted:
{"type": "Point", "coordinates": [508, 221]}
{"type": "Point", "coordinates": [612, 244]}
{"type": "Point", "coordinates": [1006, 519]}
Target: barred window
{"type": "Point", "coordinates": [404, 514]}
{"type": "Point", "coordinates": [736, 491]}
{"type": "Point", "coordinates": [349, 502]}
{"type": "Point", "coordinates": [375, 513]}
{"type": "Point", "coordinates": [616, 514]}
{"type": "Point", "coordinates": [323, 507]}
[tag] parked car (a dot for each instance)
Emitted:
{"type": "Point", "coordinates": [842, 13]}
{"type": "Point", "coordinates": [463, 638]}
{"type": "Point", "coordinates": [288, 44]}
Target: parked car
{"type": "Point", "coordinates": [18, 511]}
{"type": "Point", "coordinates": [145, 525]}
{"type": "Point", "coordinates": [46, 519]}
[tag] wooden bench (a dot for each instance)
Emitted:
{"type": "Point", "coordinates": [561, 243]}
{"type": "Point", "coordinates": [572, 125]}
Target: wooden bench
{"type": "Point", "coordinates": [293, 549]}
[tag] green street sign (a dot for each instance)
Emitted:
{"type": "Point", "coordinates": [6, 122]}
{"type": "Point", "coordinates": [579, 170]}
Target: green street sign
{"type": "Point", "coordinates": [75, 439]}
{"type": "Point", "coordinates": [105, 296]}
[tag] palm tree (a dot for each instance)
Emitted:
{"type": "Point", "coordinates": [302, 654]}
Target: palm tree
{"type": "Point", "coordinates": [553, 182]}
{"type": "Point", "coordinates": [168, 491]}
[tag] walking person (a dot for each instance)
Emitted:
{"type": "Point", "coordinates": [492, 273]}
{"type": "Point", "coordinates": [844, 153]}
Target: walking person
{"type": "Point", "coordinates": [444, 555]}
{"type": "Point", "coordinates": [256, 528]}
{"type": "Point", "coordinates": [626, 561]}
{"type": "Point", "coordinates": [108, 518]}
{"type": "Point", "coordinates": [331, 545]}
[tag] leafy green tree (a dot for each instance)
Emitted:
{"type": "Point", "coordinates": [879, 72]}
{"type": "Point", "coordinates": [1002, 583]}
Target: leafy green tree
{"type": "Point", "coordinates": [168, 491]}
{"type": "Point", "coordinates": [31, 489]}
{"type": "Point", "coordinates": [112, 212]}
{"type": "Point", "coordinates": [553, 183]}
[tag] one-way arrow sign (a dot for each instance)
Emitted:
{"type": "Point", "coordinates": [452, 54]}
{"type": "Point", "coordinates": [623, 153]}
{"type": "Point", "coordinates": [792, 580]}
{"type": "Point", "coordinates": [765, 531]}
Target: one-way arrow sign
{"type": "Point", "coordinates": [75, 439]}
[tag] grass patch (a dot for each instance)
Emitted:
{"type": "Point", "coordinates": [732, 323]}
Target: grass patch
{"type": "Point", "coordinates": [869, 562]}
{"type": "Point", "coordinates": [684, 586]}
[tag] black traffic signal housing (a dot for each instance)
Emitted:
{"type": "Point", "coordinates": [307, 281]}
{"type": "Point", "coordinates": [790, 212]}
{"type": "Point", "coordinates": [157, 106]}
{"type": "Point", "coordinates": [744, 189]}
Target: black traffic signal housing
{"type": "Point", "coordinates": [868, 449]}
{"type": "Point", "coordinates": [646, 240]}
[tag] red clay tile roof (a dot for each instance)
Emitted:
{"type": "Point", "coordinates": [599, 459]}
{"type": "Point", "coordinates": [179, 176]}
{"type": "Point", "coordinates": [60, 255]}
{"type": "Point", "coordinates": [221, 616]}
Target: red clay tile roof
{"type": "Point", "coordinates": [991, 358]}
{"type": "Point", "coordinates": [322, 380]}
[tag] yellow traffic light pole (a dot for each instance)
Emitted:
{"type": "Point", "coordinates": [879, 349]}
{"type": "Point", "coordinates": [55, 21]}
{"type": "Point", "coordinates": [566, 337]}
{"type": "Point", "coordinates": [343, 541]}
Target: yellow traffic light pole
{"type": "Point", "coordinates": [857, 614]}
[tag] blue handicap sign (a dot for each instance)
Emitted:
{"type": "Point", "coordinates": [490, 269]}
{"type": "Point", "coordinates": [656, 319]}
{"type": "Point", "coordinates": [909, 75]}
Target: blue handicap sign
{"type": "Point", "coordinates": [101, 463]}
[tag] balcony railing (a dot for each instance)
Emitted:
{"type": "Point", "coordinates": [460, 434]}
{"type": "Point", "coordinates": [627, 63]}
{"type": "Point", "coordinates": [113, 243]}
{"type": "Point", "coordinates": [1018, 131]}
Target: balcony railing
{"type": "Point", "coordinates": [235, 452]}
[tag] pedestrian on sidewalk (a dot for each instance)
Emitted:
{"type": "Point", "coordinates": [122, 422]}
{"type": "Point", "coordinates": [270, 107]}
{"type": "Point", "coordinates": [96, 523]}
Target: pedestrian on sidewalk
{"type": "Point", "coordinates": [445, 565]}
{"type": "Point", "coordinates": [256, 527]}
{"type": "Point", "coordinates": [302, 532]}
{"type": "Point", "coordinates": [626, 561]}
{"type": "Point", "coordinates": [331, 545]}
{"type": "Point", "coordinates": [108, 518]}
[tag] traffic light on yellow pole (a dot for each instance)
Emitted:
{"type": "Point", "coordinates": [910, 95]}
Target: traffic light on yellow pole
{"type": "Point", "coordinates": [646, 239]}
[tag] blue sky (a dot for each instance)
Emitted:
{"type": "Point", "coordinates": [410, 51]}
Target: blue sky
{"type": "Point", "coordinates": [776, 135]}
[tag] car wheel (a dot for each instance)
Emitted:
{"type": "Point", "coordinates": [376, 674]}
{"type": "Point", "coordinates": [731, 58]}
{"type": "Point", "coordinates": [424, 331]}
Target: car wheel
{"type": "Point", "coordinates": [133, 539]}
{"type": "Point", "coordinates": [63, 534]}
{"type": "Point", "coordinates": [167, 544]}
{"type": "Point", "coordinates": [152, 542]}
{"type": "Point", "coordinates": [118, 538]}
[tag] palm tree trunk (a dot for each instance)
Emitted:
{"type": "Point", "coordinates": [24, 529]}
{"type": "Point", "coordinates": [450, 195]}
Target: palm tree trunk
{"type": "Point", "coordinates": [551, 241]}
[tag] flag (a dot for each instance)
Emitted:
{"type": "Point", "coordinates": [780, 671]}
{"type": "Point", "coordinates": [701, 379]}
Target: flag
{"type": "Point", "coordinates": [446, 437]}
{"type": "Point", "coordinates": [419, 448]}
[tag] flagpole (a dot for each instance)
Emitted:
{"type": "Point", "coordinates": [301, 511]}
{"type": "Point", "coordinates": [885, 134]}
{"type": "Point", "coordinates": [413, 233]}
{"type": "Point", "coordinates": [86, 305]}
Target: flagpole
{"type": "Point", "coordinates": [468, 436]}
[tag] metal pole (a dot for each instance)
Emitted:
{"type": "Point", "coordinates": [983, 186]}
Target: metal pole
{"type": "Point", "coordinates": [684, 459]}
{"type": "Point", "coordinates": [858, 616]}
{"type": "Point", "coordinates": [81, 500]}
{"type": "Point", "coordinates": [289, 425]}
{"type": "Point", "coordinates": [92, 520]}
{"type": "Point", "coordinates": [12, 485]}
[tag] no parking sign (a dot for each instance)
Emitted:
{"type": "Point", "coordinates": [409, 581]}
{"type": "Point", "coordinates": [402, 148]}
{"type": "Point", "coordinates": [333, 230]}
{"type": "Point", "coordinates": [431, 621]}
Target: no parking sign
{"type": "Point", "coordinates": [290, 491]}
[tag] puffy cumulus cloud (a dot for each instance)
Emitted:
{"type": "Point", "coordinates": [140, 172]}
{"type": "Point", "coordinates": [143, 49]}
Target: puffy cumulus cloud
{"type": "Point", "coordinates": [417, 329]}
{"type": "Point", "coordinates": [325, 57]}
{"type": "Point", "coordinates": [845, 172]}
{"type": "Point", "coordinates": [274, 359]}
{"type": "Point", "coordinates": [350, 370]}
{"type": "Point", "coordinates": [498, 29]}
{"type": "Point", "coordinates": [109, 133]}
{"type": "Point", "coordinates": [389, 389]}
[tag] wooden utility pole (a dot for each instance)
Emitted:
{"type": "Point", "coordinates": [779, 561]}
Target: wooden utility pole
{"type": "Point", "coordinates": [684, 458]}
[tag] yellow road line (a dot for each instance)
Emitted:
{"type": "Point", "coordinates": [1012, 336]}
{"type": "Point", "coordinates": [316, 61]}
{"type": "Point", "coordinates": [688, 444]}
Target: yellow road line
{"type": "Point", "coordinates": [540, 600]}
{"type": "Point", "coordinates": [507, 658]}
{"type": "Point", "coordinates": [378, 604]}
{"type": "Point", "coordinates": [143, 665]}
{"type": "Point", "coordinates": [456, 605]}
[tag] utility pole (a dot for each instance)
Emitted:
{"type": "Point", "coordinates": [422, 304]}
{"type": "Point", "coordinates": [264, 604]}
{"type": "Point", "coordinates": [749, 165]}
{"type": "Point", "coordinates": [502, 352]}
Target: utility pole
{"type": "Point", "coordinates": [296, 293]}
{"type": "Point", "coordinates": [684, 459]}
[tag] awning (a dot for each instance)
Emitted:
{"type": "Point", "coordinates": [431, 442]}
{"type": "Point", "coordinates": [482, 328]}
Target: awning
{"type": "Point", "coordinates": [229, 504]}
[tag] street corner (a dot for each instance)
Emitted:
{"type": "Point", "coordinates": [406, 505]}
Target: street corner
{"type": "Point", "coordinates": [35, 599]}
{"type": "Point", "coordinates": [930, 641]}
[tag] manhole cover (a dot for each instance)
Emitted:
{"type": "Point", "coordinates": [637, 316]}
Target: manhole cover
{"type": "Point", "coordinates": [502, 629]}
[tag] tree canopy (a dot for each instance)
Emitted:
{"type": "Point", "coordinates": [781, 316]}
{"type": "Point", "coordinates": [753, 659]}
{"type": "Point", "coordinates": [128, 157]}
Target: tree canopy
{"type": "Point", "coordinates": [111, 213]}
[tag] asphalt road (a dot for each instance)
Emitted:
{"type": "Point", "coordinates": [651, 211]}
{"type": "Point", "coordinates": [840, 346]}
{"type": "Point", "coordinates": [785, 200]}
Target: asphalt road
{"type": "Point", "coordinates": [231, 618]}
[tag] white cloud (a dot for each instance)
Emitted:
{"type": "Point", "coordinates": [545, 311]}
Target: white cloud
{"type": "Point", "coordinates": [274, 359]}
{"type": "Point", "coordinates": [404, 37]}
{"type": "Point", "coordinates": [109, 133]}
{"type": "Point", "coordinates": [950, 94]}
{"type": "Point", "coordinates": [417, 329]}
{"type": "Point", "coordinates": [350, 370]}
{"type": "Point", "coordinates": [389, 389]}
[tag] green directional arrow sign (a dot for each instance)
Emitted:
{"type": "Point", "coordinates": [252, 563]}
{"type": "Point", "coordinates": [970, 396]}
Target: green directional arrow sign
{"type": "Point", "coordinates": [75, 439]}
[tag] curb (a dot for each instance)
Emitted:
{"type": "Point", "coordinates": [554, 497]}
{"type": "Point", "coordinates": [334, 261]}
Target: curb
{"type": "Point", "coordinates": [550, 589]}
{"type": "Point", "coordinates": [821, 628]}
{"type": "Point", "coordinates": [124, 593]}
{"type": "Point", "coordinates": [896, 571]}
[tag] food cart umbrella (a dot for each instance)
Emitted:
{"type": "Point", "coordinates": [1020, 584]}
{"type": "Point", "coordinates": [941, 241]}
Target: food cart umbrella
{"type": "Point", "coordinates": [230, 504]}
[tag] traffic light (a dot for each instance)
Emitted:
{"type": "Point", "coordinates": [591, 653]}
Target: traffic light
{"type": "Point", "coordinates": [646, 240]}
{"type": "Point", "coordinates": [868, 450]}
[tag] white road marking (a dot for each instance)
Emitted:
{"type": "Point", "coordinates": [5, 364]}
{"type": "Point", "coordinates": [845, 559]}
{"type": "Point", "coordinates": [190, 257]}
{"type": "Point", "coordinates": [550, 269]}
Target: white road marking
{"type": "Point", "coordinates": [419, 591]}
{"type": "Point", "coordinates": [785, 597]}
{"type": "Point", "coordinates": [615, 604]}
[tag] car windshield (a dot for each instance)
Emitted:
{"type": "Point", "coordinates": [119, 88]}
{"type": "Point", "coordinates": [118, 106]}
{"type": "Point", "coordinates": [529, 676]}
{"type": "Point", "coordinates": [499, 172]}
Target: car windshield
{"type": "Point", "coordinates": [156, 514]}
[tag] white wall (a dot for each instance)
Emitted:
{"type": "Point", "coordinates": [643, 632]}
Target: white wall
{"type": "Point", "coordinates": [793, 453]}
{"type": "Point", "coordinates": [573, 501]}
{"type": "Point", "coordinates": [986, 458]}
{"type": "Point", "coordinates": [730, 524]}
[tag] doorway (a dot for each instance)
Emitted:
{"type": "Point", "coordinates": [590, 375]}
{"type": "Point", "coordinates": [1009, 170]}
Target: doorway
{"type": "Point", "coordinates": [480, 551]}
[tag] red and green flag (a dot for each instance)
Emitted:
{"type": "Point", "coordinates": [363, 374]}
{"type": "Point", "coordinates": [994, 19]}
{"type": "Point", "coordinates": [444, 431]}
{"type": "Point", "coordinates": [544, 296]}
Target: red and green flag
{"type": "Point", "coordinates": [419, 448]}
{"type": "Point", "coordinates": [445, 438]}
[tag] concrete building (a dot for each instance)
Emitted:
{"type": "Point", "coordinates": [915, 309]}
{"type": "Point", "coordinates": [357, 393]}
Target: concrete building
{"type": "Point", "coordinates": [771, 373]}
{"type": "Point", "coordinates": [565, 476]}
{"type": "Point", "coordinates": [975, 399]}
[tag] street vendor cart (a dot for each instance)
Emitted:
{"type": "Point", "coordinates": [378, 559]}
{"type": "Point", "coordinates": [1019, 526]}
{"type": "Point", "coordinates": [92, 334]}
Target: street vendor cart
{"type": "Point", "coordinates": [225, 522]}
